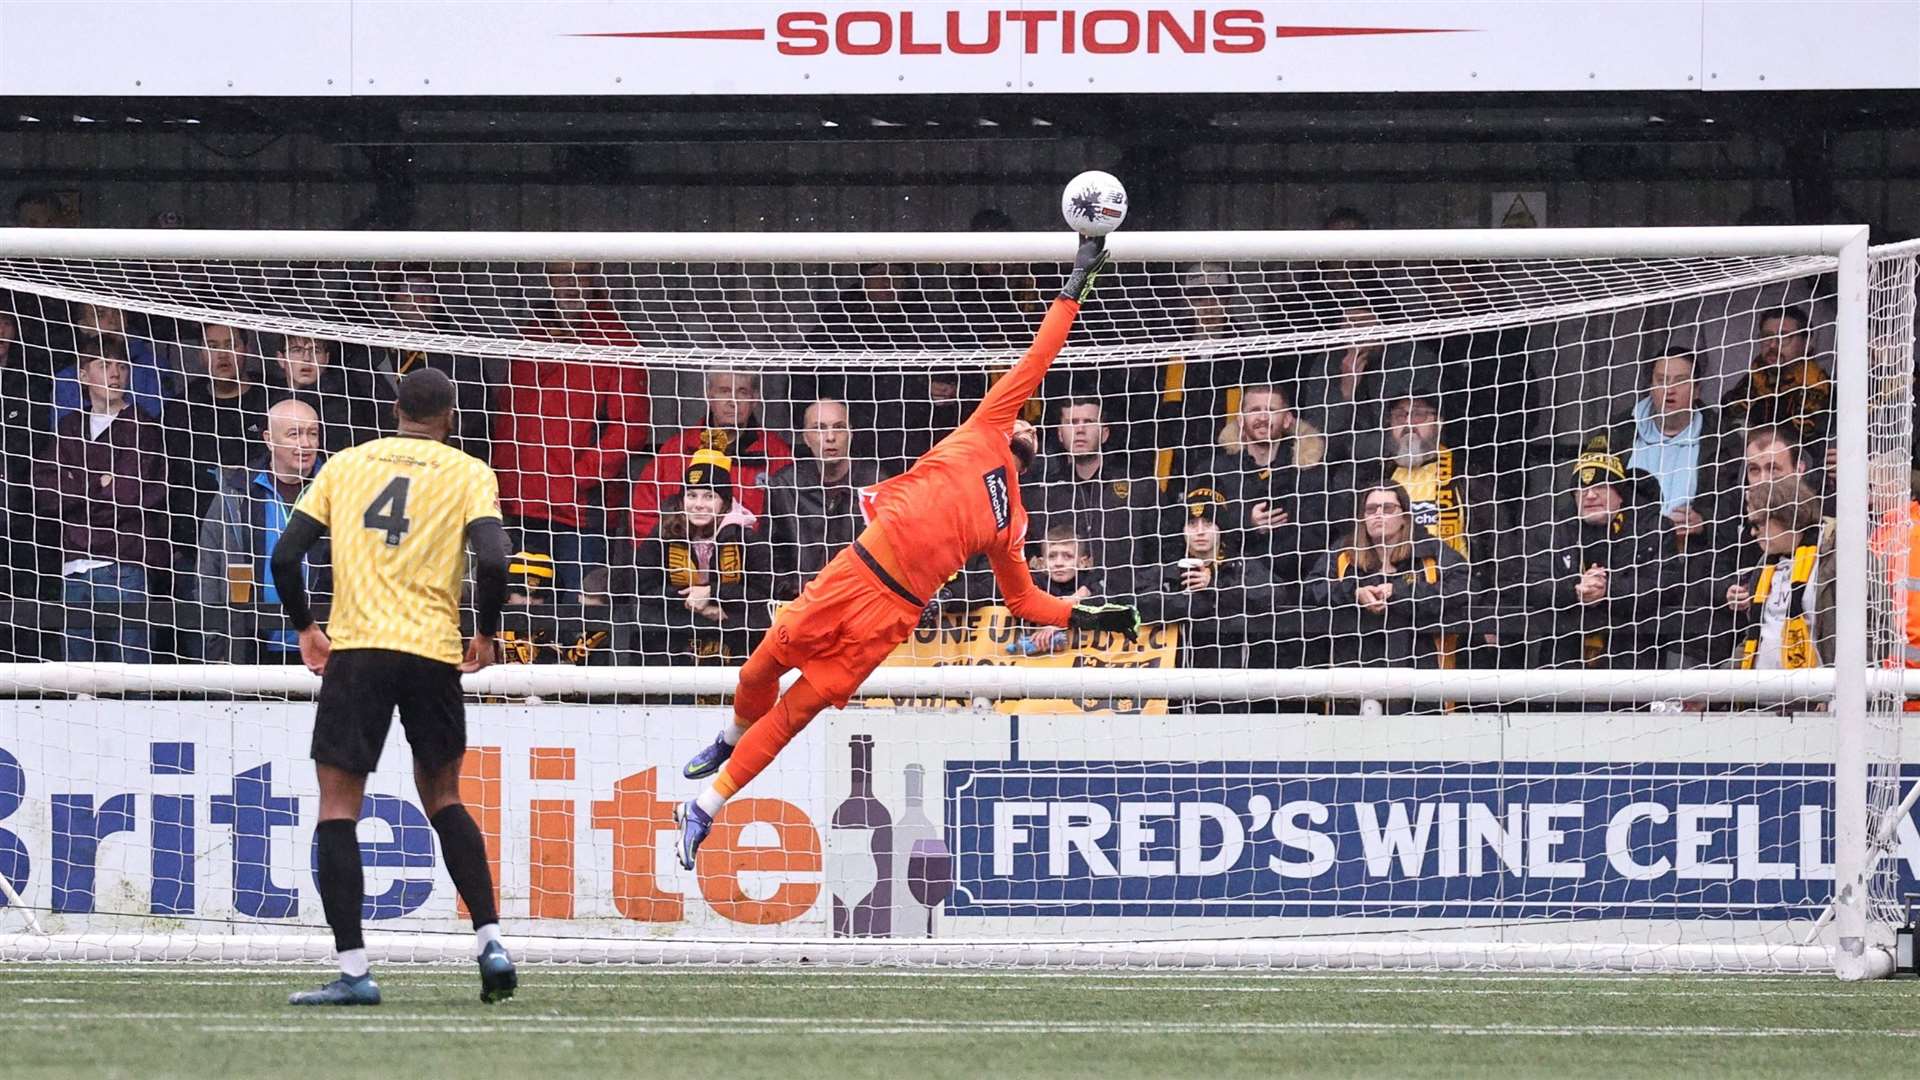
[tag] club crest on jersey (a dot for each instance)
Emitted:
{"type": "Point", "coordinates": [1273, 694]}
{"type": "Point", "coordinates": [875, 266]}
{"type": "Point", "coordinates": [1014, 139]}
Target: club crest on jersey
{"type": "Point", "coordinates": [999, 497]}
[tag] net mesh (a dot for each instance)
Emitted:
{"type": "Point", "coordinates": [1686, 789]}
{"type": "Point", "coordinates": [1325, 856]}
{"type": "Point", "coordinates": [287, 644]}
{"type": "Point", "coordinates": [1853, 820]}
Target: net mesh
{"type": "Point", "coordinates": [1495, 468]}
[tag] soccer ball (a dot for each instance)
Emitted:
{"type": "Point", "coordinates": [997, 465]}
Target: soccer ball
{"type": "Point", "coordinates": [1094, 203]}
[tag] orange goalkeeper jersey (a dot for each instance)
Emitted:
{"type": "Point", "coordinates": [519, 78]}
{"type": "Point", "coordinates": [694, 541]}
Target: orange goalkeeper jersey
{"type": "Point", "coordinates": [962, 497]}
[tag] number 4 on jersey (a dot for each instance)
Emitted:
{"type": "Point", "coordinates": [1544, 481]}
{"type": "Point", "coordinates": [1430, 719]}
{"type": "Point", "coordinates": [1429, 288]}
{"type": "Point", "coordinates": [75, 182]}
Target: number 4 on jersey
{"type": "Point", "coordinates": [388, 511]}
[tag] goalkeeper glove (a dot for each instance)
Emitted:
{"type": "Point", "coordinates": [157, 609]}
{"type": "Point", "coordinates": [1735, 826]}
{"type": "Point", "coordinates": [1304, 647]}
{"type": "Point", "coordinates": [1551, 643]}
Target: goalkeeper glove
{"type": "Point", "coordinates": [1114, 618]}
{"type": "Point", "coordinates": [1087, 268]}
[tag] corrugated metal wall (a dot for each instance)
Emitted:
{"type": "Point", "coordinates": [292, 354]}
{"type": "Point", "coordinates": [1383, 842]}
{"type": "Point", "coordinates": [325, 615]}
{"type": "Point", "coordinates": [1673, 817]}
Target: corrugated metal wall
{"type": "Point", "coordinates": [127, 178]}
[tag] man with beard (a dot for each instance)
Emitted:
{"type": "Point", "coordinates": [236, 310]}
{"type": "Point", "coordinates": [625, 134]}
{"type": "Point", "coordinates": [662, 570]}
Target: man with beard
{"type": "Point", "coordinates": [1449, 500]}
{"type": "Point", "coordinates": [733, 428]}
{"type": "Point", "coordinates": [1598, 587]}
{"type": "Point", "coordinates": [1090, 491]}
{"type": "Point", "coordinates": [1784, 385]}
{"type": "Point", "coordinates": [1276, 483]}
{"type": "Point", "coordinates": [813, 506]}
{"type": "Point", "coordinates": [960, 500]}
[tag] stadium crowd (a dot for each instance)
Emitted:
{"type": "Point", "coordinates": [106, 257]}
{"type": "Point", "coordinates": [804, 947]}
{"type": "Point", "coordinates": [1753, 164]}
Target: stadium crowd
{"type": "Point", "coordinates": [1452, 501]}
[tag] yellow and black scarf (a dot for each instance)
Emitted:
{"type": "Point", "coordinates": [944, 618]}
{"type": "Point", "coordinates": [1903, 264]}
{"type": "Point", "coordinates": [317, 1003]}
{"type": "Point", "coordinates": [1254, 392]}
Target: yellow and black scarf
{"type": "Point", "coordinates": [1797, 647]}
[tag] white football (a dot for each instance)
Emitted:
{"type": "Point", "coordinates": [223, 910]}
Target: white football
{"type": "Point", "coordinates": [1094, 203]}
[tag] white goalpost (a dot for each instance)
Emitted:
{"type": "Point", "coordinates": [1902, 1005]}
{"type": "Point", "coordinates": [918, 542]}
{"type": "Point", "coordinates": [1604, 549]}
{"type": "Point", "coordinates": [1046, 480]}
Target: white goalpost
{"type": "Point", "coordinates": [1619, 694]}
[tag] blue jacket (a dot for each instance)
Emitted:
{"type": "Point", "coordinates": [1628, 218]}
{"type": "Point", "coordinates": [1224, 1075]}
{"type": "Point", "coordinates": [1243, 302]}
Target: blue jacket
{"type": "Point", "coordinates": [146, 383]}
{"type": "Point", "coordinates": [242, 525]}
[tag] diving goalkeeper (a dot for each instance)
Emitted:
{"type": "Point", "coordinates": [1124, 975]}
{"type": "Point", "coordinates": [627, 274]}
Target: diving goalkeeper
{"type": "Point", "coordinates": [960, 499]}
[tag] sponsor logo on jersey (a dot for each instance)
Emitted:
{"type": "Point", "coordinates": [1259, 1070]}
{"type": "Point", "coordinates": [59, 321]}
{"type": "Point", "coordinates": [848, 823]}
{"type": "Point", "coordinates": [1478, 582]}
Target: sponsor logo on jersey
{"type": "Point", "coordinates": [1000, 498]}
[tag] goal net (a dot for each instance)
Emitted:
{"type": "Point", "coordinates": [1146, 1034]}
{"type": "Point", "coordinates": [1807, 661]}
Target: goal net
{"type": "Point", "coordinates": [1528, 598]}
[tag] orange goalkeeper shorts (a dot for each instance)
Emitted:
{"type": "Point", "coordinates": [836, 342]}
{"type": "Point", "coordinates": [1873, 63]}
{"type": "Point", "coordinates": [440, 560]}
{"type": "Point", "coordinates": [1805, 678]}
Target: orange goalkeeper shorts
{"type": "Point", "coordinates": [845, 624]}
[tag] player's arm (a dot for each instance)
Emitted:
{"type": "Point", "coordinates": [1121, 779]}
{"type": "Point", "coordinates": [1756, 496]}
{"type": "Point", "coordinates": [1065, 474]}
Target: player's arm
{"type": "Point", "coordinates": [1002, 404]}
{"type": "Point", "coordinates": [1029, 602]}
{"type": "Point", "coordinates": [488, 538]}
{"type": "Point", "coordinates": [287, 564]}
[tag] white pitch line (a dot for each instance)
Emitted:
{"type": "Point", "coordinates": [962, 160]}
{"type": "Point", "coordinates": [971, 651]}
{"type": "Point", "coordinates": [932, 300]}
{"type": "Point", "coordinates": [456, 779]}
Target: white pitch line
{"type": "Point", "coordinates": [266, 971]}
{"type": "Point", "coordinates": [896, 1027]}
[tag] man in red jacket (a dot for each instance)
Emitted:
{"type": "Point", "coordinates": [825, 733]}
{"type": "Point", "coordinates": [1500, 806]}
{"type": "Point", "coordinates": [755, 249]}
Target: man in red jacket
{"type": "Point", "coordinates": [733, 428]}
{"type": "Point", "coordinates": [565, 426]}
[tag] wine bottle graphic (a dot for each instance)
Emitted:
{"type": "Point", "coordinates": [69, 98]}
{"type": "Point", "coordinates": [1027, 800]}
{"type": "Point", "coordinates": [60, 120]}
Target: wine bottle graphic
{"type": "Point", "coordinates": [915, 840]}
{"type": "Point", "coordinates": [860, 854]}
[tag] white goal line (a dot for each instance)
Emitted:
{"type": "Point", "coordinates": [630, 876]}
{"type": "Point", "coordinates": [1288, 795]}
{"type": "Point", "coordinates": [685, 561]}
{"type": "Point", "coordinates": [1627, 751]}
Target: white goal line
{"type": "Point", "coordinates": [991, 682]}
{"type": "Point", "coordinates": [1251, 953]}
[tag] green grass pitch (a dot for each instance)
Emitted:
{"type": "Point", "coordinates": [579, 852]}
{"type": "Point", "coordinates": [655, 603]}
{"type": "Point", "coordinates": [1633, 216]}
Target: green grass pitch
{"type": "Point", "coordinates": [206, 1021]}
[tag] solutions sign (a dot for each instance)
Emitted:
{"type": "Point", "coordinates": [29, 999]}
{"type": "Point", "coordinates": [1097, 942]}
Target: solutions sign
{"type": "Point", "coordinates": [679, 47]}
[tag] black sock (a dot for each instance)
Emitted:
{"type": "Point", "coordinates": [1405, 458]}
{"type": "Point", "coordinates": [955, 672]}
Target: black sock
{"type": "Point", "coordinates": [341, 881]}
{"type": "Point", "coordinates": [466, 853]}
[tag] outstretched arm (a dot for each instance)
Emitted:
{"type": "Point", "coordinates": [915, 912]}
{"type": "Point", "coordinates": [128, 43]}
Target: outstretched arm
{"type": "Point", "coordinates": [1003, 403]}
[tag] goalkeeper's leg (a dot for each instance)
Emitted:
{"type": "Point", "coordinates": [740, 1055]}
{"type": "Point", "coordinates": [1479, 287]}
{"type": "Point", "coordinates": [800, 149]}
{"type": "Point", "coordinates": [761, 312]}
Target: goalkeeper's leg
{"type": "Point", "coordinates": [758, 690]}
{"type": "Point", "coordinates": [761, 742]}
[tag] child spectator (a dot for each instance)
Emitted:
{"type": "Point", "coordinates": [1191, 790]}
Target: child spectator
{"type": "Point", "coordinates": [1067, 571]}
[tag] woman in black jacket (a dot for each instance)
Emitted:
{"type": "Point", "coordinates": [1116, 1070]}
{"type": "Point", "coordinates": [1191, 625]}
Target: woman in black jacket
{"type": "Point", "coordinates": [703, 577]}
{"type": "Point", "coordinates": [1392, 587]}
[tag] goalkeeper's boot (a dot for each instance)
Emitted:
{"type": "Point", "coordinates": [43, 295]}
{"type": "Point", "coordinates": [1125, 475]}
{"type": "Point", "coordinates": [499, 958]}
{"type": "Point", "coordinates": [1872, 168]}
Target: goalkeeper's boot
{"type": "Point", "coordinates": [708, 761]}
{"type": "Point", "coordinates": [695, 824]}
{"type": "Point", "coordinates": [345, 990]}
{"type": "Point", "coordinates": [498, 980]}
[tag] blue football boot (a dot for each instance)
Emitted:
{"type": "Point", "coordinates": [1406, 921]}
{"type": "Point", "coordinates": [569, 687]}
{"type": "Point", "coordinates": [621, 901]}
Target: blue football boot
{"type": "Point", "coordinates": [345, 990]}
{"type": "Point", "coordinates": [708, 761]}
{"type": "Point", "coordinates": [498, 980]}
{"type": "Point", "coordinates": [695, 824]}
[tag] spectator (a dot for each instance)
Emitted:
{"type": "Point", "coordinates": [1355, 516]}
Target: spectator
{"type": "Point", "coordinates": [1447, 497]}
{"type": "Point", "coordinates": [1084, 488]}
{"type": "Point", "coordinates": [412, 293]}
{"type": "Point", "coordinates": [1785, 603]}
{"type": "Point", "coordinates": [1168, 415]}
{"type": "Point", "coordinates": [1340, 394]}
{"type": "Point", "coordinates": [1067, 571]}
{"type": "Point", "coordinates": [1277, 485]}
{"type": "Point", "coordinates": [242, 525]}
{"type": "Point", "coordinates": [701, 575]}
{"type": "Point", "coordinates": [568, 426]}
{"type": "Point", "coordinates": [1774, 453]}
{"type": "Point", "coordinates": [1207, 589]}
{"type": "Point", "coordinates": [733, 428]}
{"type": "Point", "coordinates": [26, 420]}
{"type": "Point", "coordinates": [1681, 442]}
{"type": "Point", "coordinates": [1598, 584]}
{"type": "Point", "coordinates": [813, 504]}
{"type": "Point", "coordinates": [915, 412]}
{"type": "Point", "coordinates": [1392, 586]}
{"type": "Point", "coordinates": [149, 387]}
{"type": "Point", "coordinates": [103, 479]}
{"type": "Point", "coordinates": [43, 210]}
{"type": "Point", "coordinates": [220, 421]}
{"type": "Point", "coordinates": [1784, 385]}
{"type": "Point", "coordinates": [344, 401]}
{"type": "Point", "coordinates": [1485, 376]}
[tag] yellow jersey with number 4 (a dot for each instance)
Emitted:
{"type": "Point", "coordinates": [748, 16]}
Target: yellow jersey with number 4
{"type": "Point", "coordinates": [397, 510]}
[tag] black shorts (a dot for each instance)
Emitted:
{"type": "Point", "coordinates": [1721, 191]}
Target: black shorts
{"type": "Point", "coordinates": [358, 695]}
